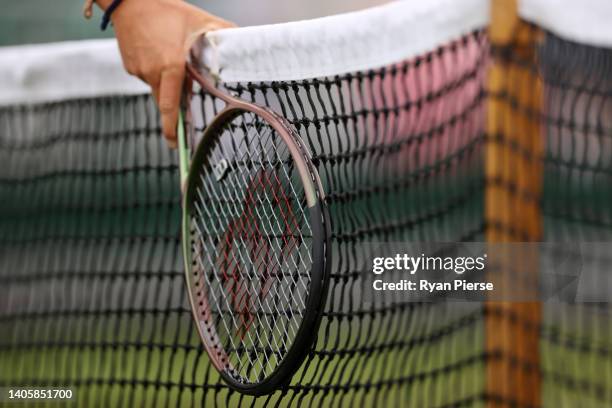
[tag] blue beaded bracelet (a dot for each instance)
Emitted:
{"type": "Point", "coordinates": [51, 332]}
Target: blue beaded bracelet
{"type": "Point", "coordinates": [107, 14]}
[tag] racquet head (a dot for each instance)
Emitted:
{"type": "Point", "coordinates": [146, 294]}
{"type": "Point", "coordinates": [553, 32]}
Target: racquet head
{"type": "Point", "coordinates": [255, 242]}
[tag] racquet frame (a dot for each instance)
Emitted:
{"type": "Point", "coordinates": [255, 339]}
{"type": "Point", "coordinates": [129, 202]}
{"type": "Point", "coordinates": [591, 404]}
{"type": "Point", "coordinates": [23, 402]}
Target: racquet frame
{"type": "Point", "coordinates": [319, 221]}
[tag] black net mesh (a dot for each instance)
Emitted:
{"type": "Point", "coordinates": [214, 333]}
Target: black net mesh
{"type": "Point", "coordinates": [92, 293]}
{"type": "Point", "coordinates": [576, 339]}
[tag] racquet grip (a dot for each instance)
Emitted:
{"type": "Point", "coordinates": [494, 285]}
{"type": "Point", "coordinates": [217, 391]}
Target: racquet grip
{"type": "Point", "coordinates": [183, 153]}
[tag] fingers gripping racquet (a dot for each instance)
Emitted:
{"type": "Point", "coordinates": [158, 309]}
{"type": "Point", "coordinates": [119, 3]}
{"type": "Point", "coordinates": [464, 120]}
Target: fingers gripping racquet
{"type": "Point", "coordinates": [255, 242]}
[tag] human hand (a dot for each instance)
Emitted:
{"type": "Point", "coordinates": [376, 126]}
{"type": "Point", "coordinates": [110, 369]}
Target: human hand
{"type": "Point", "coordinates": [154, 38]}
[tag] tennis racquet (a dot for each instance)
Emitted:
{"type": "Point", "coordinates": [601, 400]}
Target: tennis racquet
{"type": "Point", "coordinates": [255, 240]}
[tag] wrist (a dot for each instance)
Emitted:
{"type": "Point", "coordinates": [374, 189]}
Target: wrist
{"type": "Point", "coordinates": [106, 19]}
{"type": "Point", "coordinates": [103, 4]}
{"type": "Point", "coordinates": [130, 8]}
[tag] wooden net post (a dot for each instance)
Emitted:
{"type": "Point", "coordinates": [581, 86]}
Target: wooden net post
{"type": "Point", "coordinates": [512, 208]}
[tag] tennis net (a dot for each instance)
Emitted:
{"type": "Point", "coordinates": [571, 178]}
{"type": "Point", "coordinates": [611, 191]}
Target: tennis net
{"type": "Point", "coordinates": [403, 120]}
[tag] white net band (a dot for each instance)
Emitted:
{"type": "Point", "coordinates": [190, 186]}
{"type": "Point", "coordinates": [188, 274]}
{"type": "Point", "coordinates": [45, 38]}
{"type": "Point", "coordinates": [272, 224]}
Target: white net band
{"type": "Point", "coordinates": [334, 45]}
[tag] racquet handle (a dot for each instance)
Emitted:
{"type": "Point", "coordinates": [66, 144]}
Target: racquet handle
{"type": "Point", "coordinates": [182, 148]}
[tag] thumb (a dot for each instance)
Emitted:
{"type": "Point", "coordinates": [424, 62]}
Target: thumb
{"type": "Point", "coordinates": [170, 88]}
